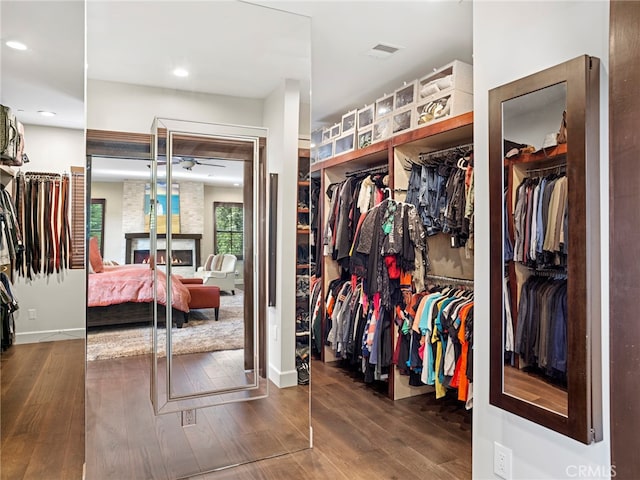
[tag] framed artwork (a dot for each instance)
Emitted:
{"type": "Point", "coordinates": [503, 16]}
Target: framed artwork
{"type": "Point", "coordinates": [160, 206]}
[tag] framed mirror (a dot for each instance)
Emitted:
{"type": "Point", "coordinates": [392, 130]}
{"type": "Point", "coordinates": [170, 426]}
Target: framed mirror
{"type": "Point", "coordinates": [233, 152]}
{"type": "Point", "coordinates": [545, 264]}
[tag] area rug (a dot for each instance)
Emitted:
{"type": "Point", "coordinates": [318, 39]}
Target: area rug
{"type": "Point", "coordinates": [200, 334]}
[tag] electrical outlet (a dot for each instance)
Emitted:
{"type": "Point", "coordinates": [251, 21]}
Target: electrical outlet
{"type": "Point", "coordinates": [502, 461]}
{"type": "Point", "coordinates": [188, 417]}
{"type": "Point", "coordinates": [32, 314]}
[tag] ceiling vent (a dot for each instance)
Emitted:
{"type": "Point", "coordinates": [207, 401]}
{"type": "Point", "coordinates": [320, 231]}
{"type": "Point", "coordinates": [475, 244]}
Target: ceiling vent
{"type": "Point", "coordinates": [383, 50]}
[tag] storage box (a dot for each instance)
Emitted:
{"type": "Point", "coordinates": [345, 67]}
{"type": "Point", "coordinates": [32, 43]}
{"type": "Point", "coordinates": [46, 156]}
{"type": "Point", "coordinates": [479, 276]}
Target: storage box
{"type": "Point", "coordinates": [445, 106]}
{"type": "Point", "coordinates": [349, 121]}
{"type": "Point", "coordinates": [382, 129]}
{"type": "Point", "coordinates": [405, 96]}
{"type": "Point", "coordinates": [366, 116]}
{"type": "Point", "coordinates": [402, 120]}
{"type": "Point", "coordinates": [365, 137]}
{"type": "Point", "coordinates": [326, 134]}
{"type": "Point", "coordinates": [345, 143]}
{"type": "Point", "coordinates": [456, 75]}
{"type": "Point", "coordinates": [384, 106]}
{"type": "Point", "coordinates": [316, 137]}
{"type": "Point", "coordinates": [325, 151]}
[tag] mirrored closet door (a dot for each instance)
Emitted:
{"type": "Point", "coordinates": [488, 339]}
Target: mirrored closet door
{"type": "Point", "coordinates": [177, 378]}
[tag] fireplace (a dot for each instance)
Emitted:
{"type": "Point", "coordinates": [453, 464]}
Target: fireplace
{"type": "Point", "coordinates": [180, 258]}
{"type": "Point", "coordinates": [181, 241]}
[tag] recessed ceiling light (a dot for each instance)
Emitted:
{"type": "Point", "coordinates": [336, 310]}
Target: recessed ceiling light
{"type": "Point", "coordinates": [236, 184]}
{"type": "Point", "coordinates": [180, 72]}
{"type": "Point", "coordinates": [16, 45]}
{"type": "Point", "coordinates": [44, 113]}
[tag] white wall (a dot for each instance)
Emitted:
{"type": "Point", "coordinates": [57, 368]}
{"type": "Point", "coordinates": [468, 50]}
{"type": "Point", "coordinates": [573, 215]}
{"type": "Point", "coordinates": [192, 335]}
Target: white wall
{"type": "Point", "coordinates": [113, 233]}
{"type": "Point", "coordinates": [281, 118]}
{"type": "Point", "coordinates": [512, 40]}
{"type": "Point", "coordinates": [132, 108]}
{"type": "Point", "coordinates": [59, 299]}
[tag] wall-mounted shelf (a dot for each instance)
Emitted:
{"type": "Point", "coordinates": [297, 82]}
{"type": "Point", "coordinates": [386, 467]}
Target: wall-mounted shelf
{"type": "Point", "coordinates": [6, 175]}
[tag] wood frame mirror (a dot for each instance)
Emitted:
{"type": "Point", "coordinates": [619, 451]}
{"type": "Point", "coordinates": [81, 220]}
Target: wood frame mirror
{"type": "Point", "coordinates": [564, 394]}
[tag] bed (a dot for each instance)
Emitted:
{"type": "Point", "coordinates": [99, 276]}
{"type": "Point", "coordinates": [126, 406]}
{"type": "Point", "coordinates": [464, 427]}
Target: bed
{"type": "Point", "coordinates": [123, 294]}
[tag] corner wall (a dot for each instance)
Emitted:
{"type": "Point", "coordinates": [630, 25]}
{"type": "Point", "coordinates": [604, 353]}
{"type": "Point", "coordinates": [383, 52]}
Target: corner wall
{"type": "Point", "coordinates": [512, 40]}
{"type": "Point", "coordinates": [281, 117]}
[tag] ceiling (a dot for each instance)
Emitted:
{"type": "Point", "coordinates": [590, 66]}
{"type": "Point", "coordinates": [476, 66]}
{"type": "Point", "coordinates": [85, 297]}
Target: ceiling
{"type": "Point", "coordinates": [140, 42]}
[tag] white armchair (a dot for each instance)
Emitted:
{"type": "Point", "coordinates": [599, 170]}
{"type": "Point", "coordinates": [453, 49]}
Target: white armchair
{"type": "Point", "coordinates": [219, 270]}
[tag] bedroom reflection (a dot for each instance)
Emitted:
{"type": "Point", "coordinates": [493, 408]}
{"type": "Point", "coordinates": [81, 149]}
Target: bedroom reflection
{"type": "Point", "coordinates": [207, 290]}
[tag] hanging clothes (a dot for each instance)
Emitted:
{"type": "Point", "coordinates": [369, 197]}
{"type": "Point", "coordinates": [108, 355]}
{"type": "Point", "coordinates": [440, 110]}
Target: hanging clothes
{"type": "Point", "coordinates": [8, 305]}
{"type": "Point", "coordinates": [42, 201]}
{"type": "Point", "coordinates": [540, 221]}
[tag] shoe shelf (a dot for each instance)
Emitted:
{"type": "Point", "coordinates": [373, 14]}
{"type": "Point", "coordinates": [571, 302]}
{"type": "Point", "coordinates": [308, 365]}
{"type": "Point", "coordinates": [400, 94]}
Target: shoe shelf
{"type": "Point", "coordinates": [303, 267]}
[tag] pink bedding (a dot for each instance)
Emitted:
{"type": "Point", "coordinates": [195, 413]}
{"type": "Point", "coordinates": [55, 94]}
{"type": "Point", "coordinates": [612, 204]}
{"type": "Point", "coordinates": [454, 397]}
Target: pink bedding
{"type": "Point", "coordinates": [133, 283]}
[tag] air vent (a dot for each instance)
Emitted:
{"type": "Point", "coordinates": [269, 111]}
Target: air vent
{"type": "Point", "coordinates": [383, 50]}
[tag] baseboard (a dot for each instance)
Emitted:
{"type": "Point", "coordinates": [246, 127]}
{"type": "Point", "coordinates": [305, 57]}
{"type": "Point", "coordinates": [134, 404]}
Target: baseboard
{"type": "Point", "coordinates": [50, 335]}
{"type": "Point", "coordinates": [283, 379]}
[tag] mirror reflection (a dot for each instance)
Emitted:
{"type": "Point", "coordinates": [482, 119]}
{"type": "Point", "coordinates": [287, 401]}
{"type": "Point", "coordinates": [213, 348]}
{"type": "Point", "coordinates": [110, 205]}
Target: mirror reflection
{"type": "Point", "coordinates": [535, 217]}
{"type": "Point", "coordinates": [212, 347]}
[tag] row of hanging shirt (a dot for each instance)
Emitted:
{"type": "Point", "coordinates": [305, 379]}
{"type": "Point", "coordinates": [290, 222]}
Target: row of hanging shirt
{"type": "Point", "coordinates": [435, 341]}
{"type": "Point", "coordinates": [441, 186]}
{"type": "Point", "coordinates": [541, 333]}
{"type": "Point", "coordinates": [540, 222]}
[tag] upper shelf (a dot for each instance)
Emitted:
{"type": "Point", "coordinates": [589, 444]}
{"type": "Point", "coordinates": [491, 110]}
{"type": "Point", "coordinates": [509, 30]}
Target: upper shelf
{"type": "Point", "coordinates": [6, 174]}
{"type": "Point", "coordinates": [542, 155]}
{"type": "Point", "coordinates": [437, 135]}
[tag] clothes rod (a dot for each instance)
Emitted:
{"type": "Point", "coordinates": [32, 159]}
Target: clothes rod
{"type": "Point", "coordinates": [425, 157]}
{"type": "Point", "coordinates": [457, 281]}
{"type": "Point", "coordinates": [544, 169]}
{"type": "Point", "coordinates": [368, 171]}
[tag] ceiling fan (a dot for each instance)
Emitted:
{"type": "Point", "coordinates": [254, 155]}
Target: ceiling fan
{"type": "Point", "coordinates": [189, 162]}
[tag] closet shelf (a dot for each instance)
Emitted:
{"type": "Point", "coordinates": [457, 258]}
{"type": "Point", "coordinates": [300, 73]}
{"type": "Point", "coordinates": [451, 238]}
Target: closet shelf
{"type": "Point", "coordinates": [304, 183]}
{"type": "Point", "coordinates": [303, 210]}
{"type": "Point", "coordinates": [6, 174]}
{"type": "Point", "coordinates": [544, 155]}
{"type": "Point", "coordinates": [364, 157]}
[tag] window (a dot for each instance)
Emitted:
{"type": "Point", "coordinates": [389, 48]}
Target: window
{"type": "Point", "coordinates": [96, 221]}
{"type": "Point", "coordinates": [228, 228]}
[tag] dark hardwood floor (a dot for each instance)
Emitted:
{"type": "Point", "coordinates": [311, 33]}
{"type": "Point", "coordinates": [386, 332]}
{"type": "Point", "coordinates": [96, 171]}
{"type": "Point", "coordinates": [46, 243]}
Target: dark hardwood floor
{"type": "Point", "coordinates": [358, 433]}
{"type": "Point", "coordinates": [42, 411]}
{"type": "Point", "coordinates": [361, 434]}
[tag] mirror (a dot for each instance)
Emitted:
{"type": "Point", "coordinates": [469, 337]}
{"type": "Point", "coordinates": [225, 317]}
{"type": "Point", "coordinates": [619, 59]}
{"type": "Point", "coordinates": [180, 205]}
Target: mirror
{"type": "Point", "coordinates": [545, 336]}
{"type": "Point", "coordinates": [219, 308]}
{"type": "Point", "coordinates": [238, 109]}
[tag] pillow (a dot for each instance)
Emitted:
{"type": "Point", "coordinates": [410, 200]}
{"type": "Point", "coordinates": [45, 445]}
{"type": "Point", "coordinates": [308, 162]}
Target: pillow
{"type": "Point", "coordinates": [94, 255]}
{"type": "Point", "coordinates": [218, 260]}
{"type": "Point", "coordinates": [207, 265]}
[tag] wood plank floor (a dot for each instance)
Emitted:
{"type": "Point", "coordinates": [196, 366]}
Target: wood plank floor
{"type": "Point", "coordinates": [42, 411]}
{"type": "Point", "coordinates": [361, 434]}
{"type": "Point", "coordinates": [358, 433]}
